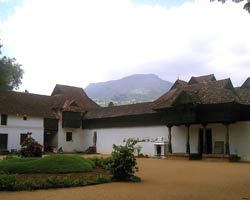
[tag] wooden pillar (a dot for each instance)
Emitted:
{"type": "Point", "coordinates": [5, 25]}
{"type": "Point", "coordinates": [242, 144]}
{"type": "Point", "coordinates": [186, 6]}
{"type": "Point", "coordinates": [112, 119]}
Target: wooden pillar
{"type": "Point", "coordinates": [169, 139]}
{"type": "Point", "coordinates": [188, 139]}
{"type": "Point", "coordinates": [204, 139]}
{"type": "Point", "coordinates": [227, 149]}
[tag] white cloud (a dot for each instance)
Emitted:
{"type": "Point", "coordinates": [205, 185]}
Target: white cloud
{"type": "Point", "coordinates": [76, 42]}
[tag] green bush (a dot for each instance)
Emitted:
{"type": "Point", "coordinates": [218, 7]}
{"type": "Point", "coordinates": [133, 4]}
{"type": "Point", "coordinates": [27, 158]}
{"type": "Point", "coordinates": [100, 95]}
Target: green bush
{"type": "Point", "coordinates": [10, 182]}
{"type": "Point", "coordinates": [49, 164]}
{"type": "Point", "coordinates": [7, 182]}
{"type": "Point", "coordinates": [30, 148]}
{"type": "Point", "coordinates": [9, 157]}
{"type": "Point", "coordinates": [100, 162]}
{"type": "Point", "coordinates": [123, 163]}
{"type": "Point", "coordinates": [100, 178]}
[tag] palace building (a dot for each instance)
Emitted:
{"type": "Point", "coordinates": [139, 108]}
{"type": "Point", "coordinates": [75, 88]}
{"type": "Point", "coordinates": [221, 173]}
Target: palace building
{"type": "Point", "coordinates": [204, 116]}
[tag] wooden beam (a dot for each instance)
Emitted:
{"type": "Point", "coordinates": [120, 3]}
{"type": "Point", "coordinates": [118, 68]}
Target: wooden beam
{"type": "Point", "coordinates": [204, 150]}
{"type": "Point", "coordinates": [227, 149]}
{"type": "Point", "coordinates": [169, 139]}
{"type": "Point", "coordinates": [188, 139]}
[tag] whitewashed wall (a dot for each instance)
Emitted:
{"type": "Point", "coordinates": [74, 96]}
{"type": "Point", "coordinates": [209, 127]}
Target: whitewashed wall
{"type": "Point", "coordinates": [239, 138]}
{"type": "Point", "coordinates": [77, 143]}
{"type": "Point", "coordinates": [178, 139]}
{"type": "Point", "coordinates": [16, 125]}
{"type": "Point", "coordinates": [239, 134]}
{"type": "Point", "coordinates": [106, 137]}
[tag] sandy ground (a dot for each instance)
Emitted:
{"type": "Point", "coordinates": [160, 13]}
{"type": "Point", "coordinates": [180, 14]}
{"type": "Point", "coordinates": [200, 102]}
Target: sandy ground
{"type": "Point", "coordinates": [161, 180]}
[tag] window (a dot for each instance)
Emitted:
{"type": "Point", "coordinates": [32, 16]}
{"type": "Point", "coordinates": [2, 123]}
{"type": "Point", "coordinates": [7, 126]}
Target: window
{"type": "Point", "coordinates": [23, 136]}
{"type": "Point", "coordinates": [69, 136]}
{"type": "Point", "coordinates": [3, 141]}
{"type": "Point", "coordinates": [4, 119]}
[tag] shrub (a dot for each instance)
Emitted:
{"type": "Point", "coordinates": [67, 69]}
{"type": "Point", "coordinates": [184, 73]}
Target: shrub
{"type": "Point", "coordinates": [100, 162]}
{"type": "Point", "coordinates": [31, 148]}
{"type": "Point", "coordinates": [9, 157]}
{"type": "Point", "coordinates": [10, 182]}
{"type": "Point", "coordinates": [7, 182]}
{"type": "Point", "coordinates": [123, 164]}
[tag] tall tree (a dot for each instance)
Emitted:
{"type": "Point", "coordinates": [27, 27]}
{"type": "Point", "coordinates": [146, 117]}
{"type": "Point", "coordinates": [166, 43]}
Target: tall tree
{"type": "Point", "coordinates": [11, 73]}
{"type": "Point", "coordinates": [111, 104]}
{"type": "Point", "coordinates": [246, 6]}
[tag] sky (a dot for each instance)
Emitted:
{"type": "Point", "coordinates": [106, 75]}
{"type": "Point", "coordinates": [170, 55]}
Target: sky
{"type": "Point", "coordinates": [77, 42]}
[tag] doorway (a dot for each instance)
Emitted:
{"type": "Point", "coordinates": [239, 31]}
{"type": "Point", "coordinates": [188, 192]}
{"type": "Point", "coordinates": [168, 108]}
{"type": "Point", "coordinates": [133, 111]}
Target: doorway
{"type": "Point", "coordinates": [205, 144]}
{"type": "Point", "coordinates": [50, 140]}
{"type": "Point", "coordinates": [158, 150]}
{"type": "Point", "coordinates": [3, 141]}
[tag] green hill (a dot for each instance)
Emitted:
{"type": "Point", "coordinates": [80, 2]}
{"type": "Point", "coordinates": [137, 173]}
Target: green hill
{"type": "Point", "coordinates": [130, 89]}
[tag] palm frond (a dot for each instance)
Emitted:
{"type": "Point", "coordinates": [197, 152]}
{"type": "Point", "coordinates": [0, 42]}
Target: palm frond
{"type": "Point", "coordinates": [247, 6]}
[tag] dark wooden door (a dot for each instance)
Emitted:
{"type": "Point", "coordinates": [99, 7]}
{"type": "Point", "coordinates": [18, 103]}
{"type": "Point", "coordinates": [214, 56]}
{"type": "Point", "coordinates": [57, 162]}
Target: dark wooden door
{"type": "Point", "coordinates": [158, 150]}
{"type": "Point", "coordinates": [3, 141]}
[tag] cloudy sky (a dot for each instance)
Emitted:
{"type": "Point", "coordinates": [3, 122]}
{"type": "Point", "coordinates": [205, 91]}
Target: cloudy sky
{"type": "Point", "coordinates": [77, 42]}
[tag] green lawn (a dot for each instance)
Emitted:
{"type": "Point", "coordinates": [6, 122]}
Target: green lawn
{"type": "Point", "coordinates": [49, 164]}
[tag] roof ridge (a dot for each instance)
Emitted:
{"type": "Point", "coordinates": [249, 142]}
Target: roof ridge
{"type": "Point", "coordinates": [68, 86]}
{"type": "Point", "coordinates": [24, 93]}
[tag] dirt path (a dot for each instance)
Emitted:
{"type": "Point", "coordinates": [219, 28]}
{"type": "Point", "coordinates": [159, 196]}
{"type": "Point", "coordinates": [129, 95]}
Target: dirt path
{"type": "Point", "coordinates": [162, 180]}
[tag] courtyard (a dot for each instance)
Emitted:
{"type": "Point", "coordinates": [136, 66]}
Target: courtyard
{"type": "Point", "coordinates": [161, 179]}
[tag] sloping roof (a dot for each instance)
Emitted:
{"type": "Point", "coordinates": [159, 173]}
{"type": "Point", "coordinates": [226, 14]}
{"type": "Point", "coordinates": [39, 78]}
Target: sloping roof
{"type": "Point", "coordinates": [120, 111]}
{"type": "Point", "coordinates": [19, 103]}
{"type": "Point", "coordinates": [201, 79]}
{"type": "Point", "coordinates": [63, 97]}
{"type": "Point", "coordinates": [63, 94]}
{"type": "Point", "coordinates": [214, 92]}
{"type": "Point", "coordinates": [244, 94]}
{"type": "Point", "coordinates": [178, 83]}
{"type": "Point", "coordinates": [246, 84]}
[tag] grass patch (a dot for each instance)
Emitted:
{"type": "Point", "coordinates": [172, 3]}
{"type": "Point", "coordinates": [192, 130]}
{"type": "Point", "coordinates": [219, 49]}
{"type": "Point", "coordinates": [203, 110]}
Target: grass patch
{"type": "Point", "coordinates": [49, 164]}
{"type": "Point", "coordinates": [54, 171]}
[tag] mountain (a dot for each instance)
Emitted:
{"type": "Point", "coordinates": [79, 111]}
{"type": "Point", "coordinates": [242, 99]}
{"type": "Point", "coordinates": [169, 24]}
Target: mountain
{"type": "Point", "coordinates": [131, 89]}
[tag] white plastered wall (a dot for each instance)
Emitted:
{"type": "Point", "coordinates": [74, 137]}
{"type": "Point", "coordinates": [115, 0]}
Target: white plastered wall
{"type": "Point", "coordinates": [179, 138]}
{"type": "Point", "coordinates": [16, 125]}
{"type": "Point", "coordinates": [239, 138]}
{"type": "Point", "coordinates": [106, 137]}
{"type": "Point", "coordinates": [77, 142]}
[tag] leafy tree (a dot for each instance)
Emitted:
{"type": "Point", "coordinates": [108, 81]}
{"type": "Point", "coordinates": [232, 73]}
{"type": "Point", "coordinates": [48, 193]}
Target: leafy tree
{"type": "Point", "coordinates": [111, 104]}
{"type": "Point", "coordinates": [10, 73]}
{"type": "Point", "coordinates": [246, 6]}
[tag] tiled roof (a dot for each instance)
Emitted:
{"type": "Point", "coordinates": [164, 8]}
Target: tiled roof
{"type": "Point", "coordinates": [246, 84]}
{"type": "Point", "coordinates": [63, 94]}
{"type": "Point", "coordinates": [123, 110]}
{"type": "Point", "coordinates": [244, 94]}
{"type": "Point", "coordinates": [19, 103]}
{"type": "Point", "coordinates": [63, 98]}
{"type": "Point", "coordinates": [213, 92]}
{"type": "Point", "coordinates": [178, 83]}
{"type": "Point", "coordinates": [201, 79]}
